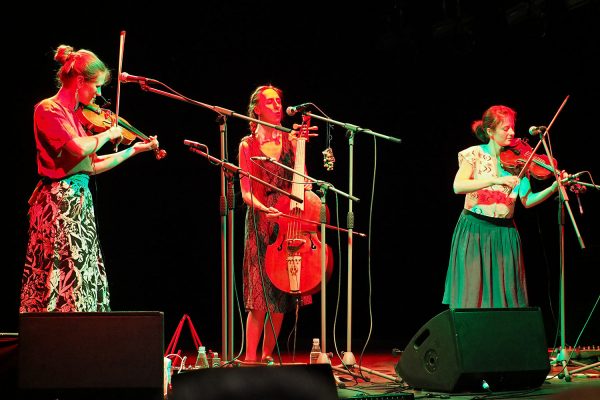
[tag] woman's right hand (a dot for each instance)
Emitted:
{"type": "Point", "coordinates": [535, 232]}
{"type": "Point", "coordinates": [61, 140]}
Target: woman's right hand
{"type": "Point", "coordinates": [272, 213]}
{"type": "Point", "coordinates": [115, 133]}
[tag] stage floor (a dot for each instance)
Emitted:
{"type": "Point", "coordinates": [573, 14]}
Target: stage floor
{"type": "Point", "coordinates": [582, 386]}
{"type": "Point", "coordinates": [377, 379]}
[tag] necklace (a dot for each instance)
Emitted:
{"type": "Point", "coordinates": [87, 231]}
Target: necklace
{"type": "Point", "coordinates": [275, 138]}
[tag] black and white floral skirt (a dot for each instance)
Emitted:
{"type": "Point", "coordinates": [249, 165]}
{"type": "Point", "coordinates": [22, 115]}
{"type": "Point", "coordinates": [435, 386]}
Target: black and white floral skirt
{"type": "Point", "coordinates": [64, 269]}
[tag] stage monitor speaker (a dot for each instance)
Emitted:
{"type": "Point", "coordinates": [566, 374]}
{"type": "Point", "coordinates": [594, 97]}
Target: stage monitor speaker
{"type": "Point", "coordinates": [474, 349]}
{"type": "Point", "coordinates": [8, 361]}
{"type": "Point", "coordinates": [101, 355]}
{"type": "Point", "coordinates": [287, 382]}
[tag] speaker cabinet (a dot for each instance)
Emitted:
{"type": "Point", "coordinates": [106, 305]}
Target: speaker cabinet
{"type": "Point", "coordinates": [91, 355]}
{"type": "Point", "coordinates": [8, 361]}
{"type": "Point", "coordinates": [465, 349]}
{"type": "Point", "coordinates": [288, 382]}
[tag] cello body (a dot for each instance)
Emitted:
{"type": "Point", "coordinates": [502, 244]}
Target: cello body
{"type": "Point", "coordinates": [293, 262]}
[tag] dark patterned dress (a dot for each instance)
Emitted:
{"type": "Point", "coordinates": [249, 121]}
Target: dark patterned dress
{"type": "Point", "coordinates": [260, 232]}
{"type": "Point", "coordinates": [64, 269]}
{"type": "Point", "coordinates": [486, 266]}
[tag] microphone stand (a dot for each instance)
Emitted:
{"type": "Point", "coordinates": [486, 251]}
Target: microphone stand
{"type": "Point", "coordinates": [324, 186]}
{"type": "Point", "coordinates": [348, 359]}
{"type": "Point", "coordinates": [227, 205]}
{"type": "Point", "coordinates": [234, 169]}
{"type": "Point", "coordinates": [563, 203]}
{"type": "Point", "coordinates": [226, 210]}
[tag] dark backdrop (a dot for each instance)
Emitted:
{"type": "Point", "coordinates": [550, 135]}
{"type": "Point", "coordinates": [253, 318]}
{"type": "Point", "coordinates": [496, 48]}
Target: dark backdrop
{"type": "Point", "coordinates": [419, 71]}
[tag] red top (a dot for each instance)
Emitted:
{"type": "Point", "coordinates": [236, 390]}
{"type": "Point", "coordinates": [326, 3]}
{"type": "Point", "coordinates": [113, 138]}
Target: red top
{"type": "Point", "coordinates": [54, 126]}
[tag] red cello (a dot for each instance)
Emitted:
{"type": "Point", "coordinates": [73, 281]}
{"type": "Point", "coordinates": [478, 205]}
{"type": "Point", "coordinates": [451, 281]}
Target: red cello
{"type": "Point", "coordinates": [293, 261]}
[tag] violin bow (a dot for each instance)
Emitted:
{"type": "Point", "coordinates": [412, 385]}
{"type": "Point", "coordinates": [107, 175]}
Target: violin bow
{"type": "Point", "coordinates": [120, 67]}
{"type": "Point", "coordinates": [526, 166]}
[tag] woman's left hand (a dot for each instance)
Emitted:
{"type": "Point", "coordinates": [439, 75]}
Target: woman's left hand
{"type": "Point", "coordinates": [295, 133]}
{"type": "Point", "coordinates": [152, 144]}
{"type": "Point", "coordinates": [564, 174]}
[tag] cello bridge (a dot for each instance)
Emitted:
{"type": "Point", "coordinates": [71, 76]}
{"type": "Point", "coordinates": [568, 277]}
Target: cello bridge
{"type": "Point", "coordinates": [294, 245]}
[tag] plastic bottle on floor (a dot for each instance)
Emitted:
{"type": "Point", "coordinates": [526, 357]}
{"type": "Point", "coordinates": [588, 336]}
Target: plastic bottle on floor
{"type": "Point", "coordinates": [216, 361]}
{"type": "Point", "coordinates": [201, 360]}
{"type": "Point", "coordinates": [315, 351]}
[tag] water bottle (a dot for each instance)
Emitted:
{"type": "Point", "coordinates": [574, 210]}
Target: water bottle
{"type": "Point", "coordinates": [201, 360]}
{"type": "Point", "coordinates": [216, 361]}
{"type": "Point", "coordinates": [315, 351]}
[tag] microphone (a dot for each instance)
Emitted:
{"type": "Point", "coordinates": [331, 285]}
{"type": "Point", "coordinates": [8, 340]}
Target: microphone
{"type": "Point", "coordinates": [193, 144]}
{"type": "Point", "coordinates": [291, 111]}
{"type": "Point", "coordinates": [574, 176]}
{"type": "Point", "coordinates": [126, 78]}
{"type": "Point", "coordinates": [536, 130]}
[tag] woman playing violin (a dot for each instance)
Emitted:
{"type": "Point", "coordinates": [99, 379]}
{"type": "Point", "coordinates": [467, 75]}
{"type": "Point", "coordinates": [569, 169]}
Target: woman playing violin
{"type": "Point", "coordinates": [265, 304]}
{"type": "Point", "coordinates": [486, 267]}
{"type": "Point", "coordinates": [64, 268]}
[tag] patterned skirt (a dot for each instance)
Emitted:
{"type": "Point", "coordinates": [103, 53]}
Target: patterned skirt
{"type": "Point", "coordinates": [486, 268]}
{"type": "Point", "coordinates": [64, 269]}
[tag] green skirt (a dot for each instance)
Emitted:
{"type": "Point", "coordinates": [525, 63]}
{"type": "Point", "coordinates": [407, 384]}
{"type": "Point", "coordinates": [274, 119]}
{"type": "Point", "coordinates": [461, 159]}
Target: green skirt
{"type": "Point", "coordinates": [486, 268]}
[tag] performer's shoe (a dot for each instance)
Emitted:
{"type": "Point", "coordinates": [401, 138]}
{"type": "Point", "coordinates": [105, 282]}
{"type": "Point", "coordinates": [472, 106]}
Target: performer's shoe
{"type": "Point", "coordinates": [268, 360]}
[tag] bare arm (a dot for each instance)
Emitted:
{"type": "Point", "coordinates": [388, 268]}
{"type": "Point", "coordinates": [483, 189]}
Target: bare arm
{"type": "Point", "coordinates": [249, 198]}
{"type": "Point", "coordinates": [87, 145]}
{"type": "Point", "coordinates": [529, 198]}
{"type": "Point", "coordinates": [465, 183]}
{"type": "Point", "coordinates": [107, 162]}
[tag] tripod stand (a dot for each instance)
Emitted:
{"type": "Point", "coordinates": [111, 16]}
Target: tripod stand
{"type": "Point", "coordinates": [563, 204]}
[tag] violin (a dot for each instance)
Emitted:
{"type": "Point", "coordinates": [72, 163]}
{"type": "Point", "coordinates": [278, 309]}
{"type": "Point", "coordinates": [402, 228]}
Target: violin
{"type": "Point", "coordinates": [96, 120]}
{"type": "Point", "coordinates": [514, 157]}
{"type": "Point", "coordinates": [293, 260]}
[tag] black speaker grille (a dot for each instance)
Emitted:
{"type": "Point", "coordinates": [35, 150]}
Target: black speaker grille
{"type": "Point", "coordinates": [74, 352]}
{"type": "Point", "coordinates": [460, 348]}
